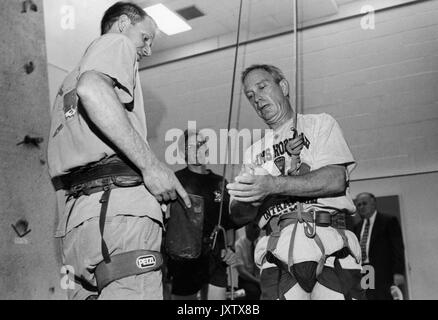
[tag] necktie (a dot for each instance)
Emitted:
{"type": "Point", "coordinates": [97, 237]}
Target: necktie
{"type": "Point", "coordinates": [364, 240]}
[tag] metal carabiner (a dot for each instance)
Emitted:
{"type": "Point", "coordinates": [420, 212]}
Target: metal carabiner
{"type": "Point", "coordinates": [214, 234]}
{"type": "Point", "coordinates": [310, 228]}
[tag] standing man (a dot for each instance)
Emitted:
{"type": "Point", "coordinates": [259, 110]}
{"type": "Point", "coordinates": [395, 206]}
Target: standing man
{"type": "Point", "coordinates": [208, 272]}
{"type": "Point", "coordinates": [295, 184]}
{"type": "Point", "coordinates": [109, 182]}
{"type": "Point", "coordinates": [382, 247]}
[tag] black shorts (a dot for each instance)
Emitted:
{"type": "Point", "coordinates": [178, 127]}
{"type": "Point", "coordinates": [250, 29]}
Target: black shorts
{"type": "Point", "coordinates": [189, 276]}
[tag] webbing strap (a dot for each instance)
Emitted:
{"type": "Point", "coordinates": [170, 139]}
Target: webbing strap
{"type": "Point", "coordinates": [342, 280]}
{"type": "Point", "coordinates": [347, 245]}
{"type": "Point", "coordinates": [275, 234]}
{"type": "Point", "coordinates": [290, 260]}
{"type": "Point", "coordinates": [321, 262]}
{"type": "Point", "coordinates": [301, 217]}
{"type": "Point", "coordinates": [104, 200]}
{"type": "Point", "coordinates": [127, 264]}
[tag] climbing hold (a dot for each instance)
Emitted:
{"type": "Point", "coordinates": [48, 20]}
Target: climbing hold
{"type": "Point", "coordinates": [21, 228]}
{"type": "Point", "coordinates": [35, 142]}
{"type": "Point", "coordinates": [29, 67]}
{"type": "Point", "coordinates": [29, 4]}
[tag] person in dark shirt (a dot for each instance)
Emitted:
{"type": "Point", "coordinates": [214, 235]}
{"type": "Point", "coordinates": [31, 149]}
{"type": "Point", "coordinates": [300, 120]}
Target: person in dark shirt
{"type": "Point", "coordinates": [207, 274]}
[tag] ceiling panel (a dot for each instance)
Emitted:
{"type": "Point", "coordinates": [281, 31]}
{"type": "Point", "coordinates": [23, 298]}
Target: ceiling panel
{"type": "Point", "coordinates": [259, 18]}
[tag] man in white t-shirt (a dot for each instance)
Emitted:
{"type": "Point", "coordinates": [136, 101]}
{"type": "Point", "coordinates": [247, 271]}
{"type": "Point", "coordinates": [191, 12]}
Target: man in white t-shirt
{"type": "Point", "coordinates": [294, 182]}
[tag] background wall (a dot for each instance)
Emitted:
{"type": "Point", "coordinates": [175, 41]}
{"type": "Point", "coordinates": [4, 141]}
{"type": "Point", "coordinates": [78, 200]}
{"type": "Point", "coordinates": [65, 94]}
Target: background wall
{"type": "Point", "coordinates": [28, 266]}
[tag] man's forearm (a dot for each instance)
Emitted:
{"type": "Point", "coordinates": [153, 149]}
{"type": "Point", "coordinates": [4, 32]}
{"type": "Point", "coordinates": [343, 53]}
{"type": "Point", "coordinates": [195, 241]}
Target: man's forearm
{"type": "Point", "coordinates": [324, 182]}
{"type": "Point", "coordinates": [105, 110]}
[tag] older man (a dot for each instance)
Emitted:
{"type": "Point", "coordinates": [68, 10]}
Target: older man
{"type": "Point", "coordinates": [295, 184]}
{"type": "Point", "coordinates": [109, 181]}
{"type": "Point", "coordinates": [382, 247]}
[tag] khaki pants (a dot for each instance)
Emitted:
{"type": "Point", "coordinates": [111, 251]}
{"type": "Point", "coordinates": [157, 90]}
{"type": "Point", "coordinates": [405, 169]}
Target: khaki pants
{"type": "Point", "coordinates": [81, 249]}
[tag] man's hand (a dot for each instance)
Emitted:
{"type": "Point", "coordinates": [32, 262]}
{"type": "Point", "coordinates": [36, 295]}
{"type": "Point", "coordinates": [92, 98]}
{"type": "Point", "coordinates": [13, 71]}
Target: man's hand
{"type": "Point", "coordinates": [163, 184]}
{"type": "Point", "coordinates": [229, 257]}
{"type": "Point", "coordinates": [252, 188]}
{"type": "Point", "coordinates": [295, 146]}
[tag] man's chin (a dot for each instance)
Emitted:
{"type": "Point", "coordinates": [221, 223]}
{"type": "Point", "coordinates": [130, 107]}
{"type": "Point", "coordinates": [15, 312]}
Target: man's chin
{"type": "Point", "coordinates": [267, 118]}
{"type": "Point", "coordinates": [270, 121]}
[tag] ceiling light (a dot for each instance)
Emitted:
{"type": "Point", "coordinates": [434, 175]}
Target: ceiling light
{"type": "Point", "coordinates": [167, 21]}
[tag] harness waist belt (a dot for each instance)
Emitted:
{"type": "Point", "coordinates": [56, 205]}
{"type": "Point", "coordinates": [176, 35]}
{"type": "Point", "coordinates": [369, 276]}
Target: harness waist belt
{"type": "Point", "coordinates": [336, 220]}
{"type": "Point", "coordinates": [320, 218]}
{"type": "Point", "coordinates": [127, 264]}
{"type": "Point", "coordinates": [105, 176]}
{"type": "Point", "coordinates": [92, 173]}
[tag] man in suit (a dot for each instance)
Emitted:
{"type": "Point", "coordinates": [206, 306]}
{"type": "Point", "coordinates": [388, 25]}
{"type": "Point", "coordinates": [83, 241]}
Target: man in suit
{"type": "Point", "coordinates": [381, 245]}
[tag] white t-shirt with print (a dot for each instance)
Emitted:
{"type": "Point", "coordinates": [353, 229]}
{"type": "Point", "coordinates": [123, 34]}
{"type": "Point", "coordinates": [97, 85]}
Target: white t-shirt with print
{"type": "Point", "coordinates": [324, 145]}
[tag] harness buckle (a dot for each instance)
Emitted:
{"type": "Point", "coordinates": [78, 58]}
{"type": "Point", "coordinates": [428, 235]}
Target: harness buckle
{"type": "Point", "coordinates": [76, 191]}
{"type": "Point", "coordinates": [310, 228]}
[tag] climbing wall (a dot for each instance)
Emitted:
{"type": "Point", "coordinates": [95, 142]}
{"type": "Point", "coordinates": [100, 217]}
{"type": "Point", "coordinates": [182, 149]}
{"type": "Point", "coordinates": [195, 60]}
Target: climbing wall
{"type": "Point", "coordinates": [29, 263]}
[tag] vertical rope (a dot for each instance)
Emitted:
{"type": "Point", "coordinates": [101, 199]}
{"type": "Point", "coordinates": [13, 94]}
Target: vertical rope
{"type": "Point", "coordinates": [230, 112]}
{"type": "Point", "coordinates": [295, 64]}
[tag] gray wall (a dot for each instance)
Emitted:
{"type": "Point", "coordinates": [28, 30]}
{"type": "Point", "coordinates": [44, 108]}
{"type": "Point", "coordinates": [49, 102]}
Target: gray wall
{"type": "Point", "coordinates": [27, 271]}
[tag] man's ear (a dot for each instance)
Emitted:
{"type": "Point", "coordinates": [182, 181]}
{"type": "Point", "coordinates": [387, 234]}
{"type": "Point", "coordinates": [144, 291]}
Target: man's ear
{"type": "Point", "coordinates": [123, 22]}
{"type": "Point", "coordinates": [284, 87]}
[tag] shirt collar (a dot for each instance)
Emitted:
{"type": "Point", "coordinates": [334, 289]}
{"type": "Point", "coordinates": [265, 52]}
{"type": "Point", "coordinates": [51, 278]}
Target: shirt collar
{"type": "Point", "coordinates": [373, 217]}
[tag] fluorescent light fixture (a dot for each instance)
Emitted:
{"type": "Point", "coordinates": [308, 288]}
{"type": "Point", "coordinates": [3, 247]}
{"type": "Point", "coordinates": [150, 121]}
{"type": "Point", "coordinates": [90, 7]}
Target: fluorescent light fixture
{"type": "Point", "coordinates": [167, 21]}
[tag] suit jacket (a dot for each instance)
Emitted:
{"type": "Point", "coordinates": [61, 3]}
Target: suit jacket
{"type": "Point", "coordinates": [386, 254]}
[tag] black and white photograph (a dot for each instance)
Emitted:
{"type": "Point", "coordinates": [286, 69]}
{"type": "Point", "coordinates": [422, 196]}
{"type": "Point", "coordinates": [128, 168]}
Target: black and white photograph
{"type": "Point", "coordinates": [216, 154]}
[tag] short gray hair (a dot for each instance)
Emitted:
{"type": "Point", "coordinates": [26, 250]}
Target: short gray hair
{"type": "Point", "coordinates": [275, 72]}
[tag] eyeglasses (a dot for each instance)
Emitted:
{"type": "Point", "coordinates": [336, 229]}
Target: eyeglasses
{"type": "Point", "coordinates": [197, 145]}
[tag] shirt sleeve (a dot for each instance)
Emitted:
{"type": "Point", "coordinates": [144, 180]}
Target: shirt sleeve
{"type": "Point", "coordinates": [115, 56]}
{"type": "Point", "coordinates": [331, 147]}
